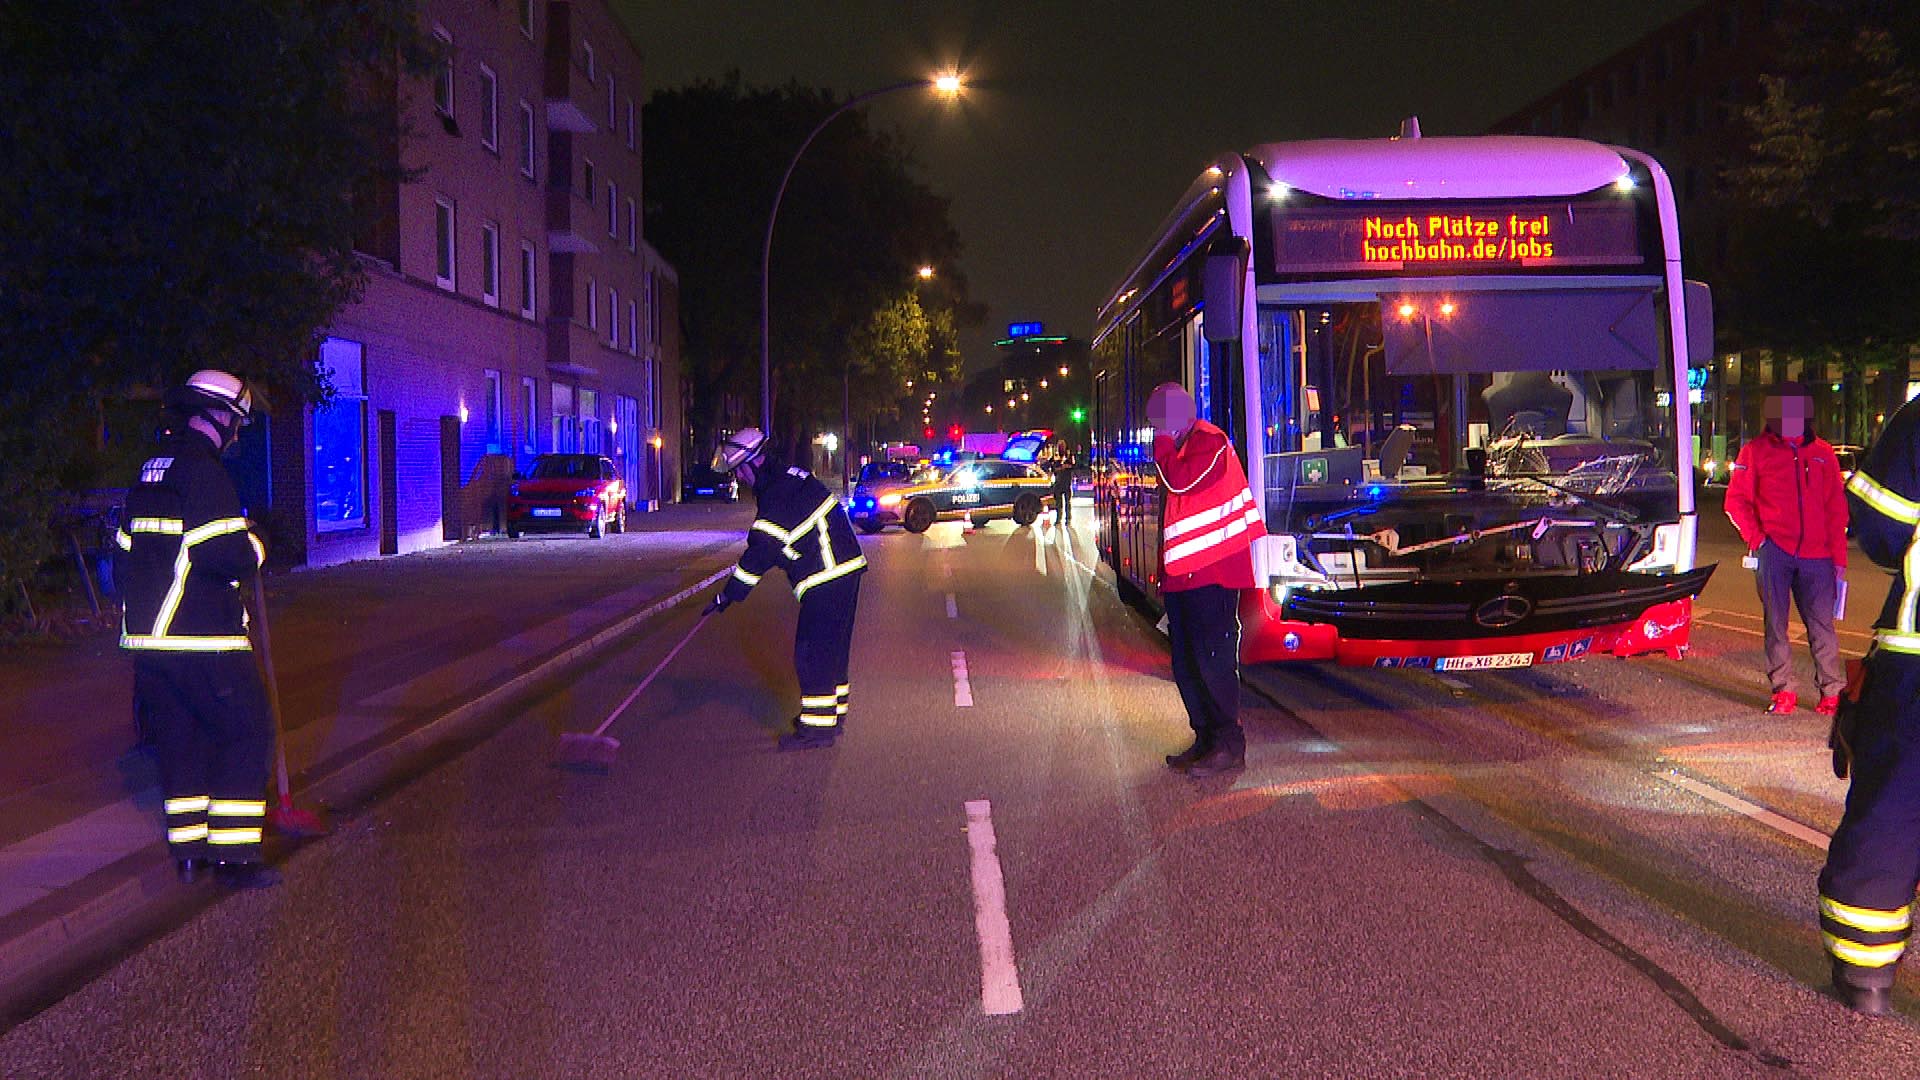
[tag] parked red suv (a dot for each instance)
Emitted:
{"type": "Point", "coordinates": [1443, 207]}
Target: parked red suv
{"type": "Point", "coordinates": [568, 491]}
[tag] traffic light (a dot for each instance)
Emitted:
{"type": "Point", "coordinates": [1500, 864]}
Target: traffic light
{"type": "Point", "coordinates": [1079, 414]}
{"type": "Point", "coordinates": [952, 433]}
{"type": "Point", "coordinates": [929, 433]}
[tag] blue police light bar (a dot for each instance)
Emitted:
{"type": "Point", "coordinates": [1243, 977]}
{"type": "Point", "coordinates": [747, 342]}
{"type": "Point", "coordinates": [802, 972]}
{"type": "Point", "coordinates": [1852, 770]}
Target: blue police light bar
{"type": "Point", "coordinates": [1026, 329]}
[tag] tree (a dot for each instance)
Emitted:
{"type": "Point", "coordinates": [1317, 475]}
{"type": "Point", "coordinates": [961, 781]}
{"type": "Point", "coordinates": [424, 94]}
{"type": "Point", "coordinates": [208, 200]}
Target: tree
{"type": "Point", "coordinates": [179, 193]}
{"type": "Point", "coordinates": [854, 226]}
{"type": "Point", "coordinates": [1821, 256]}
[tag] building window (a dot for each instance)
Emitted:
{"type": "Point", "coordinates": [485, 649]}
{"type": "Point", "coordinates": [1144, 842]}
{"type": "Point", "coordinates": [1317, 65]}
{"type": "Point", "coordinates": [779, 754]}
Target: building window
{"type": "Point", "coordinates": [633, 231]}
{"type": "Point", "coordinates": [612, 120]}
{"type": "Point", "coordinates": [589, 421]}
{"type": "Point", "coordinates": [490, 265]}
{"type": "Point", "coordinates": [633, 128]}
{"type": "Point", "coordinates": [633, 327]}
{"type": "Point", "coordinates": [586, 61]}
{"type": "Point", "coordinates": [613, 317]}
{"type": "Point", "coordinates": [528, 308]}
{"type": "Point", "coordinates": [530, 415]}
{"type": "Point", "coordinates": [340, 439]}
{"type": "Point", "coordinates": [564, 430]}
{"type": "Point", "coordinates": [496, 414]}
{"type": "Point", "coordinates": [443, 263]}
{"type": "Point", "coordinates": [489, 109]}
{"type": "Point", "coordinates": [593, 304]}
{"type": "Point", "coordinates": [653, 308]}
{"type": "Point", "coordinates": [526, 18]}
{"type": "Point", "coordinates": [613, 209]}
{"type": "Point", "coordinates": [443, 75]}
{"type": "Point", "coordinates": [587, 172]}
{"type": "Point", "coordinates": [526, 140]}
{"type": "Point", "coordinates": [653, 300]}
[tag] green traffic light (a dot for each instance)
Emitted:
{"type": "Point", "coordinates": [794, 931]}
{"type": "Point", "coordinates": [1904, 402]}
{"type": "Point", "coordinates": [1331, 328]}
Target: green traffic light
{"type": "Point", "coordinates": [1079, 415]}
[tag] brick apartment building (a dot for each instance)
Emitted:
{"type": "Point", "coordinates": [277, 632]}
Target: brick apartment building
{"type": "Point", "coordinates": [1677, 93]}
{"type": "Point", "coordinates": [513, 306]}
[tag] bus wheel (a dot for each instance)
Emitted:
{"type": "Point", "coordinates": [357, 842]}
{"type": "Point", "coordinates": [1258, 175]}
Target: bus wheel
{"type": "Point", "coordinates": [919, 516]}
{"type": "Point", "coordinates": [1025, 510]}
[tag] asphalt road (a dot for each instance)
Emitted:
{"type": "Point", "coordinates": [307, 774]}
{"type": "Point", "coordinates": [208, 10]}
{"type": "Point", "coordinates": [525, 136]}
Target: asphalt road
{"type": "Point", "coordinates": [1416, 876]}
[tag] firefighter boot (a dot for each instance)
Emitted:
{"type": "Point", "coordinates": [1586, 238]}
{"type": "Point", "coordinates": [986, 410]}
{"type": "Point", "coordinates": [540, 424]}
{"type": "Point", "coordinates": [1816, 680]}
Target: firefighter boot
{"type": "Point", "coordinates": [246, 875]}
{"type": "Point", "coordinates": [1865, 1000]}
{"type": "Point", "coordinates": [808, 737]}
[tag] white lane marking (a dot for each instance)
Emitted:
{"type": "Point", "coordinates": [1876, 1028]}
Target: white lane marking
{"type": "Point", "coordinates": [1707, 615]}
{"type": "Point", "coordinates": [953, 610]}
{"type": "Point", "coordinates": [1739, 805]}
{"type": "Point", "coordinates": [962, 690]}
{"type": "Point", "coordinates": [999, 977]}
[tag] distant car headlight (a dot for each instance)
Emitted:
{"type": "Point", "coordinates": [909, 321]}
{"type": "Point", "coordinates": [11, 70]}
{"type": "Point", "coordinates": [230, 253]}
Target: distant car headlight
{"type": "Point", "coordinates": [889, 500]}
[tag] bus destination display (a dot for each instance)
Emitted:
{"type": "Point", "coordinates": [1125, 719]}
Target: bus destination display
{"type": "Point", "coordinates": [1455, 237]}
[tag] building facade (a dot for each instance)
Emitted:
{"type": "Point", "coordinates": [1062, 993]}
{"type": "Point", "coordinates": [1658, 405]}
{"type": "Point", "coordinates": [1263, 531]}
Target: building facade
{"type": "Point", "coordinates": [513, 306]}
{"type": "Point", "coordinates": [1678, 93]}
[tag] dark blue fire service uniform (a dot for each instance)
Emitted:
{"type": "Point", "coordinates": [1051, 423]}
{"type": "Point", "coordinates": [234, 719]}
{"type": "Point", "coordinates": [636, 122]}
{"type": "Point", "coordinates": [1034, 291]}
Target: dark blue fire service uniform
{"type": "Point", "coordinates": [803, 529]}
{"type": "Point", "coordinates": [186, 556]}
{"type": "Point", "coordinates": [1873, 865]}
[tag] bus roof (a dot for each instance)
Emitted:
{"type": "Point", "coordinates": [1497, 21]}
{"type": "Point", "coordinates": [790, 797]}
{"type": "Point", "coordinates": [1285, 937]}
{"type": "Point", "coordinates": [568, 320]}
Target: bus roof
{"type": "Point", "coordinates": [1442, 167]}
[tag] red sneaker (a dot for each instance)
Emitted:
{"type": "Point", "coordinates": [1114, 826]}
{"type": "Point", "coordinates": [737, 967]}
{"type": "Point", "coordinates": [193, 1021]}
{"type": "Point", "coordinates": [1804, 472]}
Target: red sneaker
{"type": "Point", "coordinates": [1828, 705]}
{"type": "Point", "coordinates": [1784, 702]}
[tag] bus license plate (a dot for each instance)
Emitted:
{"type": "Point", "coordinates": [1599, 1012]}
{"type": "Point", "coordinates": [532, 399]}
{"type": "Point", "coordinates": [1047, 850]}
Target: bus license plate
{"type": "Point", "coordinates": [1483, 663]}
{"type": "Point", "coordinates": [546, 511]}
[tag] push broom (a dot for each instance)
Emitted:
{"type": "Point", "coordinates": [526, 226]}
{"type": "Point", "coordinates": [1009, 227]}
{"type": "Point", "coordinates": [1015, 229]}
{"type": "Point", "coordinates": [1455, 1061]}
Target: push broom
{"type": "Point", "coordinates": [594, 751]}
{"type": "Point", "coordinates": [285, 818]}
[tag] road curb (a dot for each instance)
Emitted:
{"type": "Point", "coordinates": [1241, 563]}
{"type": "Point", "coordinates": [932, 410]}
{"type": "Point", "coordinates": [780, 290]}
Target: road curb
{"type": "Point", "coordinates": [52, 945]}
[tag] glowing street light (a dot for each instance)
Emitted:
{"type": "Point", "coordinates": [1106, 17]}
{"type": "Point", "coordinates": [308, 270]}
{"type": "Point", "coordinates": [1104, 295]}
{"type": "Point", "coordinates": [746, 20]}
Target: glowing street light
{"type": "Point", "coordinates": [948, 85]}
{"type": "Point", "coordinates": [926, 273]}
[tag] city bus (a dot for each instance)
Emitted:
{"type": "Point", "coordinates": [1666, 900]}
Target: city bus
{"type": "Point", "coordinates": [1456, 368]}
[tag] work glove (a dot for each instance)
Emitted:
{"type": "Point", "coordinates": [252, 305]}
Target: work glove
{"type": "Point", "coordinates": [1847, 718]}
{"type": "Point", "coordinates": [719, 604]}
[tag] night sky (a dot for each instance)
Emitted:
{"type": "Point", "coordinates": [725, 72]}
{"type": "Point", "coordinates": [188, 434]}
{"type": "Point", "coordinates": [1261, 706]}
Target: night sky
{"type": "Point", "coordinates": [1084, 122]}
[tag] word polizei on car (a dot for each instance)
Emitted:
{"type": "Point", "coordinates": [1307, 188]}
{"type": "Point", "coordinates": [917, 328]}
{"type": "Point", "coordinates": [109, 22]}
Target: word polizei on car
{"type": "Point", "coordinates": [570, 492]}
{"type": "Point", "coordinates": [981, 490]}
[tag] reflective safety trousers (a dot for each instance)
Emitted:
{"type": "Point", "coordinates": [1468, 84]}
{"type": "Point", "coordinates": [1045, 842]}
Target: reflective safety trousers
{"type": "Point", "coordinates": [185, 552]}
{"type": "Point", "coordinates": [1210, 513]}
{"type": "Point", "coordinates": [802, 529]}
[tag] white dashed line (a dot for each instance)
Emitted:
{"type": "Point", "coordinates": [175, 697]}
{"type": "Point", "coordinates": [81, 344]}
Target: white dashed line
{"type": "Point", "coordinates": [999, 977]}
{"type": "Point", "coordinates": [962, 690]}
{"type": "Point", "coordinates": [953, 610]}
{"type": "Point", "coordinates": [1753, 810]}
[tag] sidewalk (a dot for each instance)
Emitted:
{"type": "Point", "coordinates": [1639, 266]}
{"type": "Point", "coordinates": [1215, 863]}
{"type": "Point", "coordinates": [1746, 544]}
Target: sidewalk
{"type": "Point", "coordinates": [378, 662]}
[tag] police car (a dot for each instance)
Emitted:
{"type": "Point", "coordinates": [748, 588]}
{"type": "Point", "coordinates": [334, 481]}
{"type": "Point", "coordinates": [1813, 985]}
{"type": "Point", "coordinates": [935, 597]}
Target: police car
{"type": "Point", "coordinates": [982, 490]}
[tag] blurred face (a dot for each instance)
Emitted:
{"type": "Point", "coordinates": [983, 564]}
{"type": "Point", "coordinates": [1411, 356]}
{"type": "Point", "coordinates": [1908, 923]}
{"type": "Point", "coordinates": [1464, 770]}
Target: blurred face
{"type": "Point", "coordinates": [1788, 415]}
{"type": "Point", "coordinates": [1170, 410]}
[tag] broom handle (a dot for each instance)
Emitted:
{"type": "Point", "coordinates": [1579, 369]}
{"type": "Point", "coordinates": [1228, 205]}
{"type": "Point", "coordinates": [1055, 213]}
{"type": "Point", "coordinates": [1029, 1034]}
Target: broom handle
{"type": "Point", "coordinates": [273, 685]}
{"type": "Point", "coordinates": [648, 681]}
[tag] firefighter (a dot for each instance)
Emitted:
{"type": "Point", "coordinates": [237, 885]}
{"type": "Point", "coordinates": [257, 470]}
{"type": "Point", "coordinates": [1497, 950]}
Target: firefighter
{"type": "Point", "coordinates": [187, 556]}
{"type": "Point", "coordinates": [802, 529]}
{"type": "Point", "coordinates": [1873, 863]}
{"type": "Point", "coordinates": [1210, 526]}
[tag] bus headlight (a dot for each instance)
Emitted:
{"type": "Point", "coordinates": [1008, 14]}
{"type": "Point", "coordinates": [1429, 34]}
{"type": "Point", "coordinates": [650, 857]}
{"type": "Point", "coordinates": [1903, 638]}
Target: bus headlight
{"type": "Point", "coordinates": [1665, 552]}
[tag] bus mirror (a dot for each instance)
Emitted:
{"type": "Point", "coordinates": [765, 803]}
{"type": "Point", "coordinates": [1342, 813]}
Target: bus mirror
{"type": "Point", "coordinates": [1699, 302]}
{"type": "Point", "coordinates": [1223, 279]}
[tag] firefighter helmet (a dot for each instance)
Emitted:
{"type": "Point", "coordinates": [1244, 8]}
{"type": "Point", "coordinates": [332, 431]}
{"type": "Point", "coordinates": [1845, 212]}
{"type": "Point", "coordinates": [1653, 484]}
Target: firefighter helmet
{"type": "Point", "coordinates": [738, 449]}
{"type": "Point", "coordinates": [212, 389]}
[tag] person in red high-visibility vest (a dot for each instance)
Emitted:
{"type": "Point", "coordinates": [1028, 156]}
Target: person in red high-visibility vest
{"type": "Point", "coordinates": [1208, 528]}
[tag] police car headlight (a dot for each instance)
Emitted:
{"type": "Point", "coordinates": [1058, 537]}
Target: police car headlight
{"type": "Point", "coordinates": [889, 500]}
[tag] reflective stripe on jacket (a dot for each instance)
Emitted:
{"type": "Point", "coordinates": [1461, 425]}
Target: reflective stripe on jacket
{"type": "Point", "coordinates": [185, 551]}
{"type": "Point", "coordinates": [1210, 513]}
{"type": "Point", "coordinates": [802, 529]}
{"type": "Point", "coordinates": [1884, 496]}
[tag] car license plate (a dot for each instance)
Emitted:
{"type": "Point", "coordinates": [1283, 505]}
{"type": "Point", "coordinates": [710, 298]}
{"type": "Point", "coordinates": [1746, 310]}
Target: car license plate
{"type": "Point", "coordinates": [1483, 663]}
{"type": "Point", "coordinates": [546, 511]}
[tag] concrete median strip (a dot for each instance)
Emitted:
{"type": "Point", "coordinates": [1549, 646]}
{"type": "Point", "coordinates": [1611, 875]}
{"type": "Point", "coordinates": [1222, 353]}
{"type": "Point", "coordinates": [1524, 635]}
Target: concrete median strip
{"type": "Point", "coordinates": [86, 887]}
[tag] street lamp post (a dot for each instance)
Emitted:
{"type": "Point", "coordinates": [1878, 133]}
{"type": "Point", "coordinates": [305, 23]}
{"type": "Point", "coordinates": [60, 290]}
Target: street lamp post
{"type": "Point", "coordinates": [948, 85]}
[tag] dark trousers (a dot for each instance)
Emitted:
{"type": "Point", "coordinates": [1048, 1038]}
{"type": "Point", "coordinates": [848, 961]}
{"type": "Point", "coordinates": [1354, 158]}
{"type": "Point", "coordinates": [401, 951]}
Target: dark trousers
{"type": "Point", "coordinates": [213, 735]}
{"type": "Point", "coordinates": [1204, 627]}
{"type": "Point", "coordinates": [1873, 864]}
{"type": "Point", "coordinates": [1810, 585]}
{"type": "Point", "coordinates": [1063, 499]}
{"type": "Point", "coordinates": [822, 644]}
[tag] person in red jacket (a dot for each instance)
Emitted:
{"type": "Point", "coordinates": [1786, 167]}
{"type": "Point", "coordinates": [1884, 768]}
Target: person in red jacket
{"type": "Point", "coordinates": [1209, 526]}
{"type": "Point", "coordinates": [1789, 502]}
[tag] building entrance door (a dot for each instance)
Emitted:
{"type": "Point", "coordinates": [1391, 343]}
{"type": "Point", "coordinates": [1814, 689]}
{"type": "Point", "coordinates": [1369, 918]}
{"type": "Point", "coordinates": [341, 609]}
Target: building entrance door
{"type": "Point", "coordinates": [450, 524]}
{"type": "Point", "coordinates": [389, 486]}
